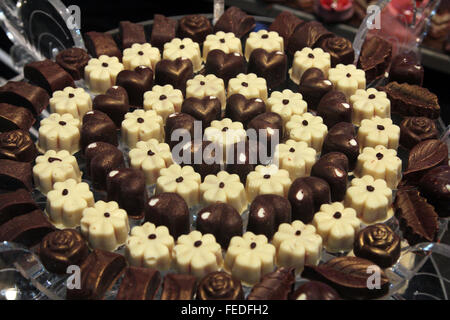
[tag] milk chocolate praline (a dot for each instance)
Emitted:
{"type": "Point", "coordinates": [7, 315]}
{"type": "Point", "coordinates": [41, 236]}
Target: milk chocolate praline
{"type": "Point", "coordinates": [225, 65]}
{"type": "Point", "coordinates": [200, 150]}
{"type": "Point", "coordinates": [131, 33]}
{"type": "Point", "coordinates": [406, 67]}
{"type": "Point", "coordinates": [235, 20]}
{"type": "Point", "coordinates": [177, 121]}
{"type": "Point", "coordinates": [340, 50]}
{"type": "Point", "coordinates": [276, 285]}
{"type": "Point", "coordinates": [194, 26]}
{"type": "Point", "coordinates": [17, 145]}
{"type": "Point", "coordinates": [271, 66]}
{"type": "Point", "coordinates": [163, 30]}
{"type": "Point", "coordinates": [334, 108]}
{"type": "Point", "coordinates": [14, 117]}
{"type": "Point", "coordinates": [342, 138]}
{"type": "Point", "coordinates": [139, 284]}
{"type": "Point", "coordinates": [15, 175]}
{"type": "Point", "coordinates": [48, 75]}
{"type": "Point", "coordinates": [97, 127]}
{"type": "Point", "coordinates": [268, 127]}
{"type": "Point", "coordinates": [13, 204]}
{"type": "Point", "coordinates": [25, 95]}
{"type": "Point", "coordinates": [375, 57]}
{"type": "Point", "coordinates": [114, 103]}
{"type": "Point", "coordinates": [307, 35]}
{"type": "Point", "coordinates": [416, 129]}
{"type": "Point", "coordinates": [73, 60]}
{"type": "Point", "coordinates": [219, 286]}
{"type": "Point", "coordinates": [285, 24]}
{"type": "Point", "coordinates": [175, 73]}
{"type": "Point", "coordinates": [435, 186]}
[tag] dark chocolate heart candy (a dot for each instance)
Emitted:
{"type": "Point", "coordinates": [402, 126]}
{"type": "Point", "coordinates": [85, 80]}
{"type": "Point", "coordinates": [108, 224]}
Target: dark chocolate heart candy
{"type": "Point", "coordinates": [114, 103]}
{"type": "Point", "coordinates": [224, 65]}
{"type": "Point", "coordinates": [271, 66]}
{"type": "Point", "coordinates": [136, 83]}
{"type": "Point", "coordinates": [406, 67]}
{"type": "Point", "coordinates": [268, 128]}
{"type": "Point", "coordinates": [175, 73]}
{"type": "Point", "coordinates": [342, 138]}
{"type": "Point", "coordinates": [334, 108]}
{"type": "Point", "coordinates": [206, 110]}
{"type": "Point", "coordinates": [241, 109]}
{"type": "Point", "coordinates": [313, 86]}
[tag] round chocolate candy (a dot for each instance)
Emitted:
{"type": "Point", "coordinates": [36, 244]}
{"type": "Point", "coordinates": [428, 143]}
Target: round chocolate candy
{"type": "Point", "coordinates": [219, 286]}
{"type": "Point", "coordinates": [315, 290]}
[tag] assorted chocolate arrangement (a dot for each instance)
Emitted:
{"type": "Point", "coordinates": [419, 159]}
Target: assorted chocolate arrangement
{"type": "Point", "coordinates": [315, 120]}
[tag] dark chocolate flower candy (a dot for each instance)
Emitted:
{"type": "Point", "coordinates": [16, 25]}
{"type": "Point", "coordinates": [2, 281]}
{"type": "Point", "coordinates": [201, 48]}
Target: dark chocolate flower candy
{"type": "Point", "coordinates": [196, 27]}
{"type": "Point", "coordinates": [17, 145]}
{"type": "Point", "coordinates": [219, 286]}
{"type": "Point", "coordinates": [340, 50]}
{"type": "Point", "coordinates": [416, 129]}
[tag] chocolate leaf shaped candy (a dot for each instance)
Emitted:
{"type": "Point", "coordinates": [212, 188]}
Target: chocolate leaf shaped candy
{"type": "Point", "coordinates": [136, 83]}
{"type": "Point", "coordinates": [114, 103]}
{"type": "Point", "coordinates": [276, 285]}
{"type": "Point", "coordinates": [271, 66]}
{"type": "Point", "coordinates": [205, 110]}
{"type": "Point", "coordinates": [313, 86]}
{"type": "Point", "coordinates": [418, 220]}
{"type": "Point", "coordinates": [241, 109]}
{"type": "Point", "coordinates": [334, 108]}
{"type": "Point", "coordinates": [224, 65]}
{"type": "Point", "coordinates": [342, 138]}
{"type": "Point", "coordinates": [350, 277]}
{"type": "Point", "coordinates": [175, 73]}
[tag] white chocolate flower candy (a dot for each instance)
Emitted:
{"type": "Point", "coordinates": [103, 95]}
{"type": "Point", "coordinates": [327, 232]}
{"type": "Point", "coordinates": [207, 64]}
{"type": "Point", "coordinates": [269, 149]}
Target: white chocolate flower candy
{"type": "Point", "coordinates": [101, 73]}
{"type": "Point", "coordinates": [347, 78]}
{"type": "Point", "coordinates": [309, 58]}
{"type": "Point", "coordinates": [165, 100]}
{"type": "Point", "coordinates": [75, 101]}
{"type": "Point", "coordinates": [182, 180]}
{"type": "Point", "coordinates": [378, 131]}
{"type": "Point", "coordinates": [226, 188]}
{"type": "Point", "coordinates": [297, 244]}
{"type": "Point", "coordinates": [150, 157]}
{"type": "Point", "coordinates": [286, 104]}
{"type": "Point", "coordinates": [295, 157]}
{"type": "Point", "coordinates": [140, 55]}
{"type": "Point", "coordinates": [380, 163]}
{"type": "Point", "coordinates": [225, 133]}
{"type": "Point", "coordinates": [267, 40]}
{"type": "Point", "coordinates": [307, 128]}
{"type": "Point", "coordinates": [249, 85]}
{"type": "Point", "coordinates": [267, 180]}
{"type": "Point", "coordinates": [55, 167]}
{"type": "Point", "coordinates": [59, 132]}
{"type": "Point", "coordinates": [337, 226]}
{"type": "Point", "coordinates": [370, 198]}
{"type": "Point", "coordinates": [183, 48]}
{"type": "Point", "coordinates": [105, 225]}
{"type": "Point", "coordinates": [206, 86]}
{"type": "Point", "coordinates": [66, 202]}
{"type": "Point", "coordinates": [197, 254]}
{"type": "Point", "coordinates": [249, 258]}
{"type": "Point", "coordinates": [227, 42]}
{"type": "Point", "coordinates": [369, 103]}
{"type": "Point", "coordinates": [149, 246]}
{"type": "Point", "coordinates": [141, 125]}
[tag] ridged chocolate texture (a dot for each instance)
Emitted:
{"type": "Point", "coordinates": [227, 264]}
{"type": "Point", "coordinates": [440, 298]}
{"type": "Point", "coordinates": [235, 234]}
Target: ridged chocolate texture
{"type": "Point", "coordinates": [114, 103]}
{"type": "Point", "coordinates": [235, 20]}
{"type": "Point", "coordinates": [313, 86]}
{"type": "Point", "coordinates": [136, 82]}
{"type": "Point", "coordinates": [205, 110]}
{"type": "Point", "coordinates": [194, 26]}
{"type": "Point", "coordinates": [378, 243]}
{"type": "Point", "coordinates": [73, 60]}
{"type": "Point", "coordinates": [219, 286]}
{"type": "Point", "coordinates": [342, 138]}
{"type": "Point", "coordinates": [268, 127]}
{"type": "Point", "coordinates": [97, 127]}
{"type": "Point", "coordinates": [101, 159]}
{"type": "Point", "coordinates": [315, 290]}
{"type": "Point", "coordinates": [14, 117]}
{"type": "Point", "coordinates": [126, 186]}
{"type": "Point", "coordinates": [271, 66]}
{"type": "Point", "coordinates": [170, 210]}
{"type": "Point", "coordinates": [222, 221]}
{"type": "Point", "coordinates": [241, 109]}
{"type": "Point", "coordinates": [406, 67]}
{"type": "Point", "coordinates": [15, 175]}
{"type": "Point", "coordinates": [48, 75]}
{"type": "Point", "coordinates": [349, 276]}
{"type": "Point", "coordinates": [276, 285]}
{"type": "Point", "coordinates": [334, 108]}
{"type": "Point", "coordinates": [416, 129]}
{"type": "Point", "coordinates": [204, 153]}
{"type": "Point", "coordinates": [418, 219]}
{"type": "Point", "coordinates": [13, 204]}
{"type": "Point", "coordinates": [175, 73]}
{"type": "Point", "coordinates": [17, 145]}
{"type": "Point", "coordinates": [267, 212]}
{"type": "Point", "coordinates": [179, 287]}
{"type": "Point", "coordinates": [98, 273]}
{"type": "Point", "coordinates": [131, 33]}
{"type": "Point", "coordinates": [27, 229]}
{"type": "Point", "coordinates": [139, 284]}
{"type": "Point", "coordinates": [412, 101]}
{"type": "Point", "coordinates": [98, 43]}
{"type": "Point", "coordinates": [435, 186]}
{"type": "Point", "coordinates": [61, 249]}
{"type": "Point", "coordinates": [25, 95]}
{"type": "Point", "coordinates": [164, 29]}
{"type": "Point", "coordinates": [224, 65]}
{"type": "Point", "coordinates": [375, 57]}
{"type": "Point", "coordinates": [177, 121]}
{"type": "Point", "coordinates": [285, 24]}
{"type": "Point", "coordinates": [306, 195]}
{"type": "Point", "coordinates": [307, 35]}
{"type": "Point", "coordinates": [340, 50]}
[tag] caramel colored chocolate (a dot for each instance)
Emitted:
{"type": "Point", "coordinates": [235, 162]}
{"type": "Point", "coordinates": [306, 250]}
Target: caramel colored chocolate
{"type": "Point", "coordinates": [136, 83]}
{"type": "Point", "coordinates": [25, 95]}
{"type": "Point", "coordinates": [342, 138]}
{"type": "Point", "coordinates": [224, 65]}
{"type": "Point", "coordinates": [375, 57]}
{"type": "Point", "coordinates": [241, 109]}
{"type": "Point", "coordinates": [276, 285]}
{"type": "Point", "coordinates": [285, 24]}
{"type": "Point", "coordinates": [48, 75]}
{"type": "Point", "coordinates": [97, 127]}
{"type": "Point", "coordinates": [175, 73]}
{"type": "Point", "coordinates": [219, 286]}
{"type": "Point", "coordinates": [340, 50]}
{"type": "Point", "coordinates": [435, 186]}
{"type": "Point", "coordinates": [205, 110]}
{"type": "Point", "coordinates": [194, 26]}
{"type": "Point", "coordinates": [307, 35]}
{"type": "Point", "coordinates": [17, 145]}
{"type": "Point", "coordinates": [164, 29]}
{"type": "Point", "coordinates": [98, 43]}
{"type": "Point", "coordinates": [131, 33]}
{"type": "Point", "coordinates": [73, 60]}
{"type": "Point", "coordinates": [15, 175]}
{"type": "Point", "coordinates": [315, 290]}
{"type": "Point", "coordinates": [98, 273]}
{"type": "Point", "coordinates": [113, 103]}
{"type": "Point", "coordinates": [178, 287]}
{"type": "Point", "coordinates": [13, 204]}
{"type": "Point", "coordinates": [235, 20]}
{"type": "Point", "coordinates": [271, 66]}
{"type": "Point", "coordinates": [139, 284]}
{"type": "Point", "coordinates": [334, 108]}
{"type": "Point", "coordinates": [406, 67]}
{"type": "Point", "coordinates": [14, 117]}
{"type": "Point", "coordinates": [313, 86]}
{"type": "Point", "coordinates": [416, 129]}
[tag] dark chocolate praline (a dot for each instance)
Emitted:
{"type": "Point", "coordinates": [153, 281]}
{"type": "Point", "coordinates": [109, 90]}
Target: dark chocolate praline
{"type": "Point", "coordinates": [219, 286]}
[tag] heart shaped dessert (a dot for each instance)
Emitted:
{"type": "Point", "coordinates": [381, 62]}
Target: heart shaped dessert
{"type": "Point", "coordinates": [271, 66]}
{"type": "Point", "coordinates": [334, 108]}
{"type": "Point", "coordinates": [136, 83]}
{"type": "Point", "coordinates": [114, 103]}
{"type": "Point", "coordinates": [241, 109]}
{"type": "Point", "coordinates": [176, 73]}
{"type": "Point", "coordinates": [342, 138]}
{"type": "Point", "coordinates": [224, 65]}
{"type": "Point", "coordinates": [313, 86]}
{"type": "Point", "coordinates": [204, 110]}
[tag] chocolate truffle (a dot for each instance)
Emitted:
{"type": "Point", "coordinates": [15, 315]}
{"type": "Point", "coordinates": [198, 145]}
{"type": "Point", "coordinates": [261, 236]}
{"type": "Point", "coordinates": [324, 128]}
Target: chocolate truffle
{"type": "Point", "coordinates": [61, 249]}
{"type": "Point", "coordinates": [177, 121]}
{"type": "Point", "coordinates": [131, 33]}
{"type": "Point", "coordinates": [136, 83]}
{"type": "Point", "coordinates": [435, 186]}
{"type": "Point", "coordinates": [268, 127]}
{"type": "Point", "coordinates": [222, 221]}
{"type": "Point", "coordinates": [241, 109]}
{"type": "Point", "coordinates": [342, 138]}
{"type": "Point", "coordinates": [202, 157]}
{"type": "Point", "coordinates": [406, 67]}
{"type": "Point", "coordinates": [340, 50]}
{"type": "Point", "coordinates": [179, 287]}
{"type": "Point", "coordinates": [114, 103]}
{"type": "Point", "coordinates": [205, 109]}
{"type": "Point", "coordinates": [219, 286]}
{"type": "Point", "coordinates": [13, 204]}
{"type": "Point", "coordinates": [17, 145]}
{"type": "Point", "coordinates": [276, 285]}
{"type": "Point", "coordinates": [416, 129]}
{"type": "Point", "coordinates": [25, 95]}
{"type": "Point", "coordinates": [271, 66]}
{"type": "Point", "coordinates": [163, 30]}
{"type": "Point", "coordinates": [97, 127]}
{"type": "Point", "coordinates": [170, 210]}
{"type": "Point", "coordinates": [235, 20]}
{"type": "Point", "coordinates": [15, 175]}
{"type": "Point", "coordinates": [48, 75]}
{"type": "Point", "coordinates": [285, 24]}
{"type": "Point", "coordinates": [267, 212]}
{"type": "Point", "coordinates": [14, 117]}
{"type": "Point", "coordinates": [375, 58]}
{"type": "Point", "coordinates": [98, 44]}
{"type": "Point", "coordinates": [175, 73]}
{"type": "Point", "coordinates": [73, 60]}
{"type": "Point", "coordinates": [314, 290]}
{"type": "Point", "coordinates": [225, 65]}
{"type": "Point", "coordinates": [194, 26]}
{"type": "Point", "coordinates": [139, 284]}
{"type": "Point", "coordinates": [313, 86]}
{"type": "Point", "coordinates": [334, 108]}
{"type": "Point", "coordinates": [126, 186]}
{"type": "Point", "coordinates": [307, 35]}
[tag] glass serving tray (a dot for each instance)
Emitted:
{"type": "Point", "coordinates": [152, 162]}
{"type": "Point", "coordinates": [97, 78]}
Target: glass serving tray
{"type": "Point", "coordinates": [22, 275]}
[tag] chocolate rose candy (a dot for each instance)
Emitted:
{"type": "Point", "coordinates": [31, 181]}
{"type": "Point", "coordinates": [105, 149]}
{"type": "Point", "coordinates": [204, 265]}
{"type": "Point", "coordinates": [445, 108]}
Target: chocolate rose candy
{"type": "Point", "coordinates": [194, 26]}
{"type": "Point", "coordinates": [307, 35]}
{"type": "Point", "coordinates": [163, 30]}
{"type": "Point", "coordinates": [73, 60]}
{"type": "Point", "coordinates": [340, 50]}
{"type": "Point", "coordinates": [416, 129]}
{"type": "Point", "coordinates": [225, 65]}
{"type": "Point", "coordinates": [313, 86]}
{"type": "Point", "coordinates": [315, 290]}
{"type": "Point", "coordinates": [219, 286]}
{"type": "Point", "coordinates": [285, 24]}
{"type": "Point", "coordinates": [235, 20]}
{"type": "Point", "coordinates": [271, 66]}
{"type": "Point", "coordinates": [136, 83]}
{"type": "Point", "coordinates": [241, 109]}
{"type": "Point", "coordinates": [334, 108]}
{"type": "Point", "coordinates": [113, 103]}
{"type": "Point", "coordinates": [17, 145]}
{"type": "Point", "coordinates": [435, 186]}
{"type": "Point", "coordinates": [378, 243]}
{"type": "Point", "coordinates": [342, 138]}
{"type": "Point", "coordinates": [406, 67]}
{"type": "Point", "coordinates": [205, 110]}
{"type": "Point", "coordinates": [175, 73]}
